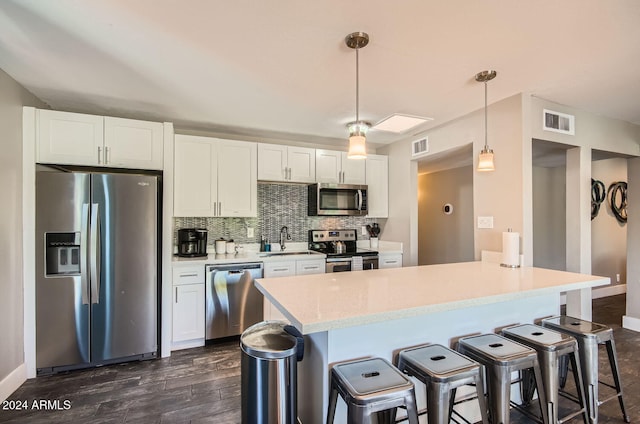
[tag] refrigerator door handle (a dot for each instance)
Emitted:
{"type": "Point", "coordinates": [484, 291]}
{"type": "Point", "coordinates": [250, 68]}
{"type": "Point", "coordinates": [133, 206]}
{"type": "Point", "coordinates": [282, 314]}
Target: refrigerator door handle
{"type": "Point", "coordinates": [84, 228]}
{"type": "Point", "coordinates": [95, 254]}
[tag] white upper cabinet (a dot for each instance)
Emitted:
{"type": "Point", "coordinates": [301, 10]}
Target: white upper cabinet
{"type": "Point", "coordinates": [69, 138]}
{"type": "Point", "coordinates": [214, 177]}
{"type": "Point", "coordinates": [377, 186]}
{"type": "Point", "coordinates": [334, 167]}
{"type": "Point", "coordinates": [77, 139]}
{"type": "Point", "coordinates": [130, 143]}
{"type": "Point", "coordinates": [237, 178]}
{"type": "Point", "coordinates": [286, 163]}
{"type": "Point", "coordinates": [302, 164]}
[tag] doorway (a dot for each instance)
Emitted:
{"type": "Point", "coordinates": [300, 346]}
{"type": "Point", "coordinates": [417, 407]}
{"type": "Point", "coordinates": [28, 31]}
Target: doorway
{"type": "Point", "coordinates": [445, 207]}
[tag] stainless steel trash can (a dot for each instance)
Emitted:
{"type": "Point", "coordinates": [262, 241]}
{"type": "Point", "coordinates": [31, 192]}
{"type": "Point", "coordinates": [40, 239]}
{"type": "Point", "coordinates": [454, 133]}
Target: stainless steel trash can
{"type": "Point", "coordinates": [270, 352]}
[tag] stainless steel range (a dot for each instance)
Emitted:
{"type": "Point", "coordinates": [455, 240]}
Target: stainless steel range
{"type": "Point", "coordinates": [342, 251]}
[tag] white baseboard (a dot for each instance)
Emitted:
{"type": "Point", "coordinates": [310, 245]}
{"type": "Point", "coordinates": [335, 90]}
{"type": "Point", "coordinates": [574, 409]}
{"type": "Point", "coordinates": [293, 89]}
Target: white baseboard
{"type": "Point", "coordinates": [599, 292]}
{"type": "Point", "coordinates": [630, 323]}
{"type": "Point", "coordinates": [607, 291]}
{"type": "Point", "coordinates": [10, 383]}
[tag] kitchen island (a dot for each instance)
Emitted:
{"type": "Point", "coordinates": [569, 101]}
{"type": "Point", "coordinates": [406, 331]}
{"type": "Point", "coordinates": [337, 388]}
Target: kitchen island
{"type": "Point", "coordinates": [376, 313]}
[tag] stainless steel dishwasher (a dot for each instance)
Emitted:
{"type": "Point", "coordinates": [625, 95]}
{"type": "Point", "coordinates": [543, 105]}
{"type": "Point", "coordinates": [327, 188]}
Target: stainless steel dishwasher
{"type": "Point", "coordinates": [233, 301]}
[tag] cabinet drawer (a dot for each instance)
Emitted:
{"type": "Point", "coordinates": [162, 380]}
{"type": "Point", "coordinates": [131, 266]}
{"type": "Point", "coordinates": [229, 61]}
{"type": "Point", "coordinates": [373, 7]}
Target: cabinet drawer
{"type": "Point", "coordinates": [390, 261]}
{"type": "Point", "coordinates": [316, 266]}
{"type": "Point", "coordinates": [188, 275]}
{"type": "Point", "coordinates": [279, 269]}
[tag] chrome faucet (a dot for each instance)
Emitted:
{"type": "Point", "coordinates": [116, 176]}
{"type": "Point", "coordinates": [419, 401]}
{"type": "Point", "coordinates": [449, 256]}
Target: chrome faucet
{"type": "Point", "coordinates": [284, 236]}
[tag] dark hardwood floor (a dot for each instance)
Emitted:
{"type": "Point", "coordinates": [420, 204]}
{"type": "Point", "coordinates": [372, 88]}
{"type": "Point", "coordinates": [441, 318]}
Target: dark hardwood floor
{"type": "Point", "coordinates": [202, 385]}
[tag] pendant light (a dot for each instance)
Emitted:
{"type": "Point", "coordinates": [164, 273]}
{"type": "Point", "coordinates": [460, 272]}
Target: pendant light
{"type": "Point", "coordinates": [357, 129]}
{"type": "Point", "coordinates": [485, 161]}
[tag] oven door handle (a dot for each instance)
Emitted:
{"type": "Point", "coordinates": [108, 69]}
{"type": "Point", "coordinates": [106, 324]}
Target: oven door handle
{"type": "Point", "coordinates": [338, 260]}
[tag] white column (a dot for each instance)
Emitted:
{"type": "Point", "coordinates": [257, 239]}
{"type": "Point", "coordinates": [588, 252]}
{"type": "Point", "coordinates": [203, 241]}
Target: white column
{"type": "Point", "coordinates": [632, 318]}
{"type": "Point", "coordinates": [579, 227]}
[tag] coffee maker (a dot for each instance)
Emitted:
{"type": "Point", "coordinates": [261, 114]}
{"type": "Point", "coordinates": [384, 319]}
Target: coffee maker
{"type": "Point", "coordinates": [192, 242]}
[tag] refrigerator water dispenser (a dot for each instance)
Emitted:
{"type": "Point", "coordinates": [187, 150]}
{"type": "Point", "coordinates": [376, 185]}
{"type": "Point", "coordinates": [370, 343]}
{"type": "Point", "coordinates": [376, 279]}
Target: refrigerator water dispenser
{"type": "Point", "coordinates": [62, 254]}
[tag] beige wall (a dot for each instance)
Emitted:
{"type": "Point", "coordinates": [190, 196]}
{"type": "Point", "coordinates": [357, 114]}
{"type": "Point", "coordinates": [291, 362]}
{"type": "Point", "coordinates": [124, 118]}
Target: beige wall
{"type": "Point", "coordinates": [498, 194]}
{"type": "Point", "coordinates": [12, 98]}
{"type": "Point", "coordinates": [445, 238]}
{"type": "Point", "coordinates": [608, 236]}
{"type": "Point", "coordinates": [549, 224]}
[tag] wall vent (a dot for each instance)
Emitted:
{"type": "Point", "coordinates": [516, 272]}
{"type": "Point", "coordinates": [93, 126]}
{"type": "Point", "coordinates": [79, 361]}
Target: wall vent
{"type": "Point", "coordinates": [419, 147]}
{"type": "Point", "coordinates": [558, 122]}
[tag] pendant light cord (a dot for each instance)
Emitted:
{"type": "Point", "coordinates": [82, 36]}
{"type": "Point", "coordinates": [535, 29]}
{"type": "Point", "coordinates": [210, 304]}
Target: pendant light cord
{"type": "Point", "coordinates": [357, 87]}
{"type": "Point", "coordinates": [486, 146]}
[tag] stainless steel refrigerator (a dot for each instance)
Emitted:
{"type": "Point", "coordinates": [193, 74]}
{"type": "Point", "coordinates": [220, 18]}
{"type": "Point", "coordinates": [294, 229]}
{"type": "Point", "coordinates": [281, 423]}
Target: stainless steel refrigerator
{"type": "Point", "coordinates": [97, 268]}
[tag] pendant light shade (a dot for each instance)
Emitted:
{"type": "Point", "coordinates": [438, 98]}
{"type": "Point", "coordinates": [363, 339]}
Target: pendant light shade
{"type": "Point", "coordinates": [485, 161]}
{"type": "Point", "coordinates": [357, 129]}
{"type": "Point", "coordinates": [357, 140]}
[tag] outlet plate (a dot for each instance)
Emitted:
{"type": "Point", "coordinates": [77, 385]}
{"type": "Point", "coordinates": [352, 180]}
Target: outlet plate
{"type": "Point", "coordinates": [250, 232]}
{"type": "Point", "coordinates": [363, 230]}
{"type": "Point", "coordinates": [485, 222]}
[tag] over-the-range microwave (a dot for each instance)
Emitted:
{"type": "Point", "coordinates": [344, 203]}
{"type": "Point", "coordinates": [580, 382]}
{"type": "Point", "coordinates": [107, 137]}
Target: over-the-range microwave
{"type": "Point", "coordinates": [337, 199]}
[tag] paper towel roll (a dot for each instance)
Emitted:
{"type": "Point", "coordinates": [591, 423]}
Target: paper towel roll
{"type": "Point", "coordinates": [510, 249]}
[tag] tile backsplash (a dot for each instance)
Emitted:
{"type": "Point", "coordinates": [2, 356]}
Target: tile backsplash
{"type": "Point", "coordinates": [278, 205]}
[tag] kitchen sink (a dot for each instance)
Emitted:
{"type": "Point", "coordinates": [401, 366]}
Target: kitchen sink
{"type": "Point", "coordinates": [270, 254]}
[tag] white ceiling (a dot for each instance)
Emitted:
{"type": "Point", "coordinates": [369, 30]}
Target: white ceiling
{"type": "Point", "coordinates": [281, 68]}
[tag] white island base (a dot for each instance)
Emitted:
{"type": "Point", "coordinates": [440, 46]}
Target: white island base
{"type": "Point", "coordinates": [377, 313]}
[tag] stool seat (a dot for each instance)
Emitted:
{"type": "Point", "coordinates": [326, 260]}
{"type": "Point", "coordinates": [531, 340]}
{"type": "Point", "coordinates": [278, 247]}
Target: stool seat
{"type": "Point", "coordinates": [370, 386]}
{"type": "Point", "coordinates": [541, 338]}
{"type": "Point", "coordinates": [580, 328]}
{"type": "Point", "coordinates": [442, 370]}
{"type": "Point", "coordinates": [501, 357]}
{"type": "Point", "coordinates": [589, 335]}
{"type": "Point", "coordinates": [370, 376]}
{"type": "Point", "coordinates": [551, 347]}
{"type": "Point", "coordinates": [495, 349]}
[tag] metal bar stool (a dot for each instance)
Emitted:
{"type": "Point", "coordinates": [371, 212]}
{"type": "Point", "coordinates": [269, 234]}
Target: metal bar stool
{"type": "Point", "coordinates": [589, 335]}
{"type": "Point", "coordinates": [442, 370]}
{"type": "Point", "coordinates": [501, 357]}
{"type": "Point", "coordinates": [551, 346]}
{"type": "Point", "coordinates": [371, 386]}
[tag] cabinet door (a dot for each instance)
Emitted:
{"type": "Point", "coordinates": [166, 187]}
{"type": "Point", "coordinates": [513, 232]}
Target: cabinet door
{"type": "Point", "coordinates": [353, 170]}
{"type": "Point", "coordinates": [237, 178]}
{"type": "Point", "coordinates": [272, 162]}
{"type": "Point", "coordinates": [69, 138]}
{"type": "Point", "coordinates": [279, 269]}
{"type": "Point", "coordinates": [378, 186]}
{"type": "Point", "coordinates": [301, 162]}
{"type": "Point", "coordinates": [328, 166]}
{"type": "Point", "coordinates": [390, 260]}
{"type": "Point", "coordinates": [311, 266]}
{"type": "Point", "coordinates": [188, 312]}
{"type": "Point", "coordinates": [195, 169]}
{"type": "Point", "coordinates": [129, 143]}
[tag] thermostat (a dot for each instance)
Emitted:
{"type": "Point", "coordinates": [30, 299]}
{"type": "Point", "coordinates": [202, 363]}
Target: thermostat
{"type": "Point", "coordinates": [447, 209]}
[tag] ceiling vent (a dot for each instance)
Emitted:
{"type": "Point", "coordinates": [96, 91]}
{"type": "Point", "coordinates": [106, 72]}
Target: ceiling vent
{"type": "Point", "coordinates": [558, 122]}
{"type": "Point", "coordinates": [420, 147]}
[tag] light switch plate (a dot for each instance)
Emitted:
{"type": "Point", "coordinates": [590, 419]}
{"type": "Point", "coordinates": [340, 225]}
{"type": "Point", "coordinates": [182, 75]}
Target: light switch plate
{"type": "Point", "coordinates": [485, 222]}
{"type": "Point", "coordinates": [249, 232]}
{"type": "Point", "coordinates": [363, 230]}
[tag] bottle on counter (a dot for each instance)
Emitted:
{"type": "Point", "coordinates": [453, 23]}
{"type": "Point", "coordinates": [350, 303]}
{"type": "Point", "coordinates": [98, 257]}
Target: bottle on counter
{"type": "Point", "coordinates": [263, 242]}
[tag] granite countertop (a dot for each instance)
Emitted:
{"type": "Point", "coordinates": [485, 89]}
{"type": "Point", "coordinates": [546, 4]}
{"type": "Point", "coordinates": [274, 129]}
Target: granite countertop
{"type": "Point", "coordinates": [323, 302]}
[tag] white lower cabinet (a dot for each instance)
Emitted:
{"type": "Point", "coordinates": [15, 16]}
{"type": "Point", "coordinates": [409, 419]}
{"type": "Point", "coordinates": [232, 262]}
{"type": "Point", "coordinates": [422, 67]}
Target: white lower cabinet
{"type": "Point", "coordinates": [310, 266]}
{"type": "Point", "coordinates": [389, 260]}
{"type": "Point", "coordinates": [279, 269]}
{"type": "Point", "coordinates": [285, 269]}
{"type": "Point", "coordinates": [188, 307]}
